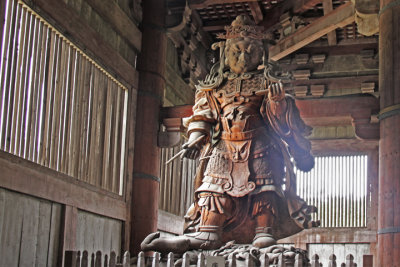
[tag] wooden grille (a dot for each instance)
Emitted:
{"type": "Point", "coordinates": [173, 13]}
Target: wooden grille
{"type": "Point", "coordinates": [177, 182]}
{"type": "Point", "coordinates": [337, 186]}
{"type": "Point", "coordinates": [58, 107]}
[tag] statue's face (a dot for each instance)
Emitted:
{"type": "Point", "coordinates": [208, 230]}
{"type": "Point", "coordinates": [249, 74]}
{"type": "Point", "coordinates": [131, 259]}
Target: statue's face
{"type": "Point", "coordinates": [243, 54]}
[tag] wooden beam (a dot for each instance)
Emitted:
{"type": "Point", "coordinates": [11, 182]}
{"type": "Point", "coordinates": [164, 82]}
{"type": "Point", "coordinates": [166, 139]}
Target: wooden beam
{"type": "Point", "coordinates": [30, 178]}
{"type": "Point", "coordinates": [340, 17]}
{"type": "Point", "coordinates": [256, 11]}
{"type": "Point", "coordinates": [111, 11]}
{"type": "Point", "coordinates": [304, 5]}
{"type": "Point", "coordinates": [86, 38]}
{"type": "Point", "coordinates": [199, 4]}
{"type": "Point", "coordinates": [328, 8]}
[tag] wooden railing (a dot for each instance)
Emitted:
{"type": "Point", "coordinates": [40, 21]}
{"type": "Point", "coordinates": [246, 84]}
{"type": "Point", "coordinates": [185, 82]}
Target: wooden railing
{"type": "Point", "coordinates": [250, 261]}
{"type": "Point", "coordinates": [78, 259]}
{"type": "Point", "coordinates": [59, 108]}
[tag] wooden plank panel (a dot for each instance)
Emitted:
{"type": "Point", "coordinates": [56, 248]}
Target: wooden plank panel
{"type": "Point", "coordinates": [12, 229]}
{"type": "Point", "coordinates": [18, 173]}
{"type": "Point", "coordinates": [55, 222]}
{"type": "Point", "coordinates": [107, 136]}
{"type": "Point", "coordinates": [29, 234]}
{"type": "Point", "coordinates": [43, 233]}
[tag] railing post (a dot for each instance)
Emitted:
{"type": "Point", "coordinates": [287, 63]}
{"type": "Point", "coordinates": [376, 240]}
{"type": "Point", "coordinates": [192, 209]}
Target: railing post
{"type": "Point", "coordinates": [350, 261]}
{"type": "Point", "coordinates": [97, 259]}
{"type": "Point", "coordinates": [281, 260]}
{"type": "Point", "coordinates": [298, 260]}
{"type": "Point", "coordinates": [126, 259]}
{"type": "Point", "coordinates": [156, 260]}
{"type": "Point", "coordinates": [249, 260]}
{"type": "Point", "coordinates": [315, 261]}
{"type": "Point", "coordinates": [332, 261]}
{"type": "Point", "coordinates": [185, 260]}
{"type": "Point", "coordinates": [264, 260]}
{"type": "Point", "coordinates": [85, 259]}
{"type": "Point", "coordinates": [170, 261]}
{"type": "Point", "coordinates": [201, 260]}
{"type": "Point", "coordinates": [70, 258]}
{"type": "Point", "coordinates": [141, 260]}
{"type": "Point", "coordinates": [113, 259]}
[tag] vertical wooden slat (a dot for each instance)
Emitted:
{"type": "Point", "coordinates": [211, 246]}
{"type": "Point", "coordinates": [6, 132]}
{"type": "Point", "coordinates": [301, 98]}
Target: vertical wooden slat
{"type": "Point", "coordinates": [107, 136]}
{"type": "Point", "coordinates": [123, 144]}
{"type": "Point", "coordinates": [25, 90]}
{"type": "Point", "coordinates": [48, 115]}
{"type": "Point", "coordinates": [7, 74]}
{"type": "Point", "coordinates": [14, 88]}
{"type": "Point", "coordinates": [85, 119]}
{"type": "Point", "coordinates": [114, 141]}
{"type": "Point", "coordinates": [75, 138]}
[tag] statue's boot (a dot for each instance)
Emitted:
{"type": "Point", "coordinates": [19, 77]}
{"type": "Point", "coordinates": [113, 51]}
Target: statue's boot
{"type": "Point", "coordinates": [263, 237]}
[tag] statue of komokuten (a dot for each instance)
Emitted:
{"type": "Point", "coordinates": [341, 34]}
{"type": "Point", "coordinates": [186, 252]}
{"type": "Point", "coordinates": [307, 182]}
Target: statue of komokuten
{"type": "Point", "coordinates": [249, 135]}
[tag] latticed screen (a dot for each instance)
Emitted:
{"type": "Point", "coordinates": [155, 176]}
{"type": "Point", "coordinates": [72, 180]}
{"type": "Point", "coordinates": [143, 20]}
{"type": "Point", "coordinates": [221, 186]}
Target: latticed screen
{"type": "Point", "coordinates": [337, 186]}
{"type": "Point", "coordinates": [59, 108]}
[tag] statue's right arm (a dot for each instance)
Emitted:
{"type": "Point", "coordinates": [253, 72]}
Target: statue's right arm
{"type": "Point", "coordinates": [199, 124]}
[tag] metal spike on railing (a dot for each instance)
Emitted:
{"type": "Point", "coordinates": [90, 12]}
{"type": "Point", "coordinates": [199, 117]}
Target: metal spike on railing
{"type": "Point", "coordinates": [332, 261]}
{"type": "Point", "coordinates": [170, 261]}
{"type": "Point", "coordinates": [350, 261]}
{"type": "Point", "coordinates": [264, 260]}
{"type": "Point", "coordinates": [201, 260]}
{"type": "Point", "coordinates": [298, 262]}
{"type": "Point", "coordinates": [156, 260]}
{"type": "Point", "coordinates": [315, 261]}
{"type": "Point", "coordinates": [141, 260]}
{"type": "Point", "coordinates": [126, 259]}
{"type": "Point", "coordinates": [232, 259]}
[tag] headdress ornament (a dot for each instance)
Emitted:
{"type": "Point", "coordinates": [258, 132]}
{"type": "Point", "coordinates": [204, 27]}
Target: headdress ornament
{"type": "Point", "coordinates": [243, 26]}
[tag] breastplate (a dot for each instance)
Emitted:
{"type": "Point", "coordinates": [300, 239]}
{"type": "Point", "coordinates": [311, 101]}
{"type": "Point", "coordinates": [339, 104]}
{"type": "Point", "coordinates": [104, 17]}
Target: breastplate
{"type": "Point", "coordinates": [240, 100]}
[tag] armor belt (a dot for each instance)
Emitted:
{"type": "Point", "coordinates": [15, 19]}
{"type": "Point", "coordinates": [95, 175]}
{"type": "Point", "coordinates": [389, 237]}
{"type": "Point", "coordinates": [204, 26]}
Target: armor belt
{"type": "Point", "coordinates": [240, 136]}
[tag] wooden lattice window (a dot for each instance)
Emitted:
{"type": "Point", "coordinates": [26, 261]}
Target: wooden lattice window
{"type": "Point", "coordinates": [58, 107]}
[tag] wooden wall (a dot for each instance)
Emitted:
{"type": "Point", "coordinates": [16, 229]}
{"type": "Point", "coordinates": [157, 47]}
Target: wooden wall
{"type": "Point", "coordinates": [38, 204]}
{"type": "Point", "coordinates": [29, 230]}
{"type": "Point", "coordinates": [94, 232]}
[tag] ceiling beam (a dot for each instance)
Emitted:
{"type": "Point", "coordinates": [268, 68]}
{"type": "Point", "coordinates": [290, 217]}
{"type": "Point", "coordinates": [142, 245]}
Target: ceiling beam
{"type": "Point", "coordinates": [304, 5]}
{"type": "Point", "coordinates": [199, 4]}
{"type": "Point", "coordinates": [328, 8]}
{"type": "Point", "coordinates": [340, 17]}
{"type": "Point", "coordinates": [256, 11]}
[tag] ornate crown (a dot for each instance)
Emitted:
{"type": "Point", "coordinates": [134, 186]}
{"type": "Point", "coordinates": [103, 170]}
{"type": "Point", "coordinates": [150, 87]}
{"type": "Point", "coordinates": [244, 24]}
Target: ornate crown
{"type": "Point", "coordinates": [243, 26]}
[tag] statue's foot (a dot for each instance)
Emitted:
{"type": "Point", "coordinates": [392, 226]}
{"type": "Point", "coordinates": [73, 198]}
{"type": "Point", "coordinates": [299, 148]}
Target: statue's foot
{"type": "Point", "coordinates": [176, 244]}
{"type": "Point", "coordinates": [263, 238]}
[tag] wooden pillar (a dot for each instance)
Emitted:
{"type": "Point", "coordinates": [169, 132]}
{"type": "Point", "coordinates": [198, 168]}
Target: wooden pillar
{"type": "Point", "coordinates": [151, 65]}
{"type": "Point", "coordinates": [389, 146]}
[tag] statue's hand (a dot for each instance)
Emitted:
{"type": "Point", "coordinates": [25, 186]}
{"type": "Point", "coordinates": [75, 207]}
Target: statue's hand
{"type": "Point", "coordinates": [276, 92]}
{"type": "Point", "coordinates": [192, 146]}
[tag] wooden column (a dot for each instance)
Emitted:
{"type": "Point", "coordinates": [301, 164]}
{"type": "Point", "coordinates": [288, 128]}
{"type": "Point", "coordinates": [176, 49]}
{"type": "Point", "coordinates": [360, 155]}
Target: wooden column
{"type": "Point", "coordinates": [389, 146]}
{"type": "Point", "coordinates": [151, 64]}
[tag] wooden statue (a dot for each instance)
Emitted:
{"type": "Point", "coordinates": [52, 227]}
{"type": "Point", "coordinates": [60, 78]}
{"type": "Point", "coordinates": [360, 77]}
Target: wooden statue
{"type": "Point", "coordinates": [248, 133]}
